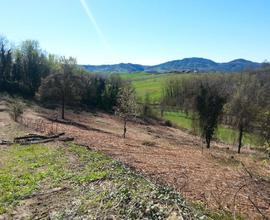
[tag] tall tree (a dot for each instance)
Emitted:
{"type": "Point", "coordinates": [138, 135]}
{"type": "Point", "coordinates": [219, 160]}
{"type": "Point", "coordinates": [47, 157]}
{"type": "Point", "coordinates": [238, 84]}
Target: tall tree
{"type": "Point", "coordinates": [33, 62]}
{"type": "Point", "coordinates": [112, 89]}
{"type": "Point", "coordinates": [5, 60]}
{"type": "Point", "coordinates": [209, 104]}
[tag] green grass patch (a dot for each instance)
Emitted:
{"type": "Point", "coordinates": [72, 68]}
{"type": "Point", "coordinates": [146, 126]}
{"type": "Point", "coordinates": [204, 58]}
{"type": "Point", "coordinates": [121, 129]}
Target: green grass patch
{"type": "Point", "coordinates": [180, 119]}
{"type": "Point", "coordinates": [225, 134]}
{"type": "Point", "coordinates": [152, 84]}
{"type": "Point", "coordinates": [119, 191]}
{"type": "Point", "coordinates": [23, 168]}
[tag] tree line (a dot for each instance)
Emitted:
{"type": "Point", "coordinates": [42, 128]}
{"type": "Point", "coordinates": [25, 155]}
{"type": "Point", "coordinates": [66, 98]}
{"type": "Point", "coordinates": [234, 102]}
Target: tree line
{"type": "Point", "coordinates": [27, 70]}
{"type": "Point", "coordinates": [240, 101]}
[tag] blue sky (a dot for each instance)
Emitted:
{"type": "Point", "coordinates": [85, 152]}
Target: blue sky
{"type": "Point", "coordinates": [141, 31]}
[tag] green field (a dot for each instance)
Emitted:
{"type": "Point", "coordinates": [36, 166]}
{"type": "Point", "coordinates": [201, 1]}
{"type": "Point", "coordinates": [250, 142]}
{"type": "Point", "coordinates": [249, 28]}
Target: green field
{"type": "Point", "coordinates": [152, 84]}
{"type": "Point", "coordinates": [225, 134]}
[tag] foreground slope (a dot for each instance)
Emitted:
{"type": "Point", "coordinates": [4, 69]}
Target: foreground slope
{"type": "Point", "coordinates": [218, 181]}
{"type": "Point", "coordinates": [68, 181]}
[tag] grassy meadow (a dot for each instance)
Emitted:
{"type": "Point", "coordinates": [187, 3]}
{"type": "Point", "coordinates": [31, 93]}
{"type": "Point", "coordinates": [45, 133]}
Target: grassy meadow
{"type": "Point", "coordinates": [225, 134]}
{"type": "Point", "coordinates": [152, 84]}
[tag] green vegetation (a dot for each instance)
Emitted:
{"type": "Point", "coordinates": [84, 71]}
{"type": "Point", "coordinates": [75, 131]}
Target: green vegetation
{"type": "Point", "coordinates": [135, 76]}
{"type": "Point", "coordinates": [180, 119]}
{"type": "Point", "coordinates": [217, 214]}
{"type": "Point", "coordinates": [226, 134]}
{"type": "Point", "coordinates": [152, 84]}
{"type": "Point", "coordinates": [23, 168]}
{"type": "Point", "coordinates": [99, 185]}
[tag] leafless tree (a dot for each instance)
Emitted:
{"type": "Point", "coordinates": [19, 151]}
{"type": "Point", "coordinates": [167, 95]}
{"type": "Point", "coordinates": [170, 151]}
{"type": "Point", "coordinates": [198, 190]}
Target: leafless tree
{"type": "Point", "coordinates": [243, 105]}
{"type": "Point", "coordinates": [126, 106]}
{"type": "Point", "coordinates": [63, 87]}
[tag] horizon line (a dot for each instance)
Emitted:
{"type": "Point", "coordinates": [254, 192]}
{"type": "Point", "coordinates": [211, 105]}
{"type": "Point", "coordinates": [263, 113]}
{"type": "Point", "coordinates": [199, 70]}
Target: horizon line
{"type": "Point", "coordinates": [162, 62]}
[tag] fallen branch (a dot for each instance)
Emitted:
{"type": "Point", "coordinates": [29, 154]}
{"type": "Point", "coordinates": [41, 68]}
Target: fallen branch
{"type": "Point", "coordinates": [56, 135]}
{"type": "Point", "coordinates": [3, 142]}
{"type": "Point", "coordinates": [36, 138]}
{"type": "Point", "coordinates": [66, 139]}
{"type": "Point", "coordinates": [245, 168]}
{"type": "Point", "coordinates": [257, 208]}
{"type": "Point", "coordinates": [37, 141]}
{"type": "Point", "coordinates": [234, 198]}
{"type": "Point", "coordinates": [31, 137]}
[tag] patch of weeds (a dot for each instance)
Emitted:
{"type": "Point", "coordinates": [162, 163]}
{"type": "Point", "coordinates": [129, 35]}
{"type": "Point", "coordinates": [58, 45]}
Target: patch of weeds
{"type": "Point", "coordinates": [24, 168]}
{"type": "Point", "coordinates": [96, 166]}
{"type": "Point", "coordinates": [226, 160]}
{"type": "Point", "coordinates": [149, 143]}
{"type": "Point", "coordinates": [122, 193]}
{"type": "Point", "coordinates": [91, 176]}
{"type": "Point", "coordinates": [136, 198]}
{"type": "Point", "coordinates": [100, 186]}
{"type": "Point", "coordinates": [217, 214]}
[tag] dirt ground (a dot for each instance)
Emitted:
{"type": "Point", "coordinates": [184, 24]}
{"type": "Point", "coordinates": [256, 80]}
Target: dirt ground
{"type": "Point", "coordinates": [217, 178]}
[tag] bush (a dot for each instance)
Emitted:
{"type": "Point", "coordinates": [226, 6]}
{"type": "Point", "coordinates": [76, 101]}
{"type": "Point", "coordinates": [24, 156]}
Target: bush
{"type": "Point", "coordinates": [16, 109]}
{"type": "Point", "coordinates": [168, 123]}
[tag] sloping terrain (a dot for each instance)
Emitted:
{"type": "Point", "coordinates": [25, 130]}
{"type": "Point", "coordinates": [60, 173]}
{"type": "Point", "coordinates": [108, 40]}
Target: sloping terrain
{"type": "Point", "coordinates": [68, 181]}
{"type": "Point", "coordinates": [218, 178]}
{"type": "Point", "coordinates": [218, 181]}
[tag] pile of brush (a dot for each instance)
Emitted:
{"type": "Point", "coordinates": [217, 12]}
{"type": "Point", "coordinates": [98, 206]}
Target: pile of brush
{"type": "Point", "coordinates": [36, 139]}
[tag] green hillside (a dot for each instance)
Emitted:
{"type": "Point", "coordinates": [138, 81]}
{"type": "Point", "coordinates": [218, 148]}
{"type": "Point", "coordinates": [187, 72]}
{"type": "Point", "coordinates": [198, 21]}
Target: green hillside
{"type": "Point", "coordinates": [152, 84]}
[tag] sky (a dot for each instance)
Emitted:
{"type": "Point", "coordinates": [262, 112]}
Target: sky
{"type": "Point", "coordinates": [141, 31]}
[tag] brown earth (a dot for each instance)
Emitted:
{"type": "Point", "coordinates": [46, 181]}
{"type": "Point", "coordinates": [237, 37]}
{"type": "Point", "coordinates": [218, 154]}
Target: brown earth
{"type": "Point", "coordinates": [219, 178]}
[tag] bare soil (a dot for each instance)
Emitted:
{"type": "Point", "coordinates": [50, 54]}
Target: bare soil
{"type": "Point", "coordinates": [219, 178]}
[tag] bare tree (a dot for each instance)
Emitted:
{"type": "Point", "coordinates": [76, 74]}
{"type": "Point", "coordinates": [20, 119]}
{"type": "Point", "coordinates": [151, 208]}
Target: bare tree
{"type": "Point", "coordinates": [16, 109]}
{"type": "Point", "coordinates": [264, 122]}
{"type": "Point", "coordinates": [243, 105]}
{"type": "Point", "coordinates": [126, 106]}
{"type": "Point", "coordinates": [63, 87]}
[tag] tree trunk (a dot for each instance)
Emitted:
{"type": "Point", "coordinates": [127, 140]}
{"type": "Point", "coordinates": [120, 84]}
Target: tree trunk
{"type": "Point", "coordinates": [240, 137]}
{"type": "Point", "coordinates": [63, 108]}
{"type": "Point", "coordinates": [207, 142]}
{"type": "Point", "coordinates": [125, 128]}
{"type": "Point", "coordinates": [162, 112]}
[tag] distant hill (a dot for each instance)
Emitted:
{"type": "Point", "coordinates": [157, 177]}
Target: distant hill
{"type": "Point", "coordinates": [185, 65]}
{"type": "Point", "coordinates": [116, 68]}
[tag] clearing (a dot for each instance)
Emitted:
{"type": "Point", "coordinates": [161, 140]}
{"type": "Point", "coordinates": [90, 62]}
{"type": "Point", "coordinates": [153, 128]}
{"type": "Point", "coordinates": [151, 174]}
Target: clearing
{"type": "Point", "coordinates": [218, 179]}
{"type": "Point", "coordinates": [68, 181]}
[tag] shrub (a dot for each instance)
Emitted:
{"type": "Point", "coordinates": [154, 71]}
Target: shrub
{"type": "Point", "coordinates": [168, 123]}
{"type": "Point", "coordinates": [16, 109]}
